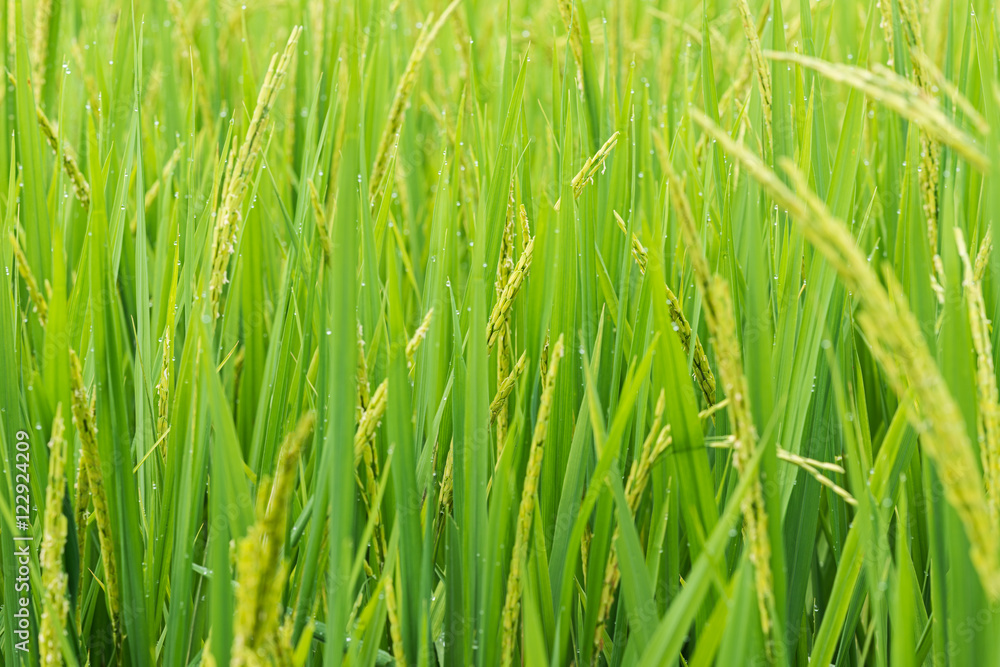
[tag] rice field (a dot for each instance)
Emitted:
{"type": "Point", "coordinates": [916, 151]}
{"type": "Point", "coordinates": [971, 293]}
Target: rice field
{"type": "Point", "coordinates": [444, 332]}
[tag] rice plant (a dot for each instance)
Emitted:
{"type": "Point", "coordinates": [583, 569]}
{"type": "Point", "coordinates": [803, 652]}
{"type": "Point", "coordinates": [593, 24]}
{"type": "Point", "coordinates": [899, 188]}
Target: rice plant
{"type": "Point", "coordinates": [443, 332]}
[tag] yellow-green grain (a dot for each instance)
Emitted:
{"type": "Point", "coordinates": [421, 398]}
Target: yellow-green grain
{"type": "Point", "coordinates": [91, 462]}
{"type": "Point", "coordinates": [259, 570]}
{"type": "Point", "coordinates": [55, 607]}
{"type": "Point", "coordinates": [511, 608]}
{"type": "Point", "coordinates": [41, 307]}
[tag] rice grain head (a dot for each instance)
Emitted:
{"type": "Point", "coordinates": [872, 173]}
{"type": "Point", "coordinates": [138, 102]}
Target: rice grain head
{"type": "Point", "coordinates": [886, 23]}
{"type": "Point", "coordinates": [361, 375]}
{"type": "Point", "coordinates": [522, 219]}
{"type": "Point", "coordinates": [701, 367]}
{"type": "Point", "coordinates": [163, 386]}
{"type": "Point", "coordinates": [759, 64]}
{"type": "Point", "coordinates": [498, 316]}
{"type": "Point", "coordinates": [930, 151]}
{"type": "Point", "coordinates": [259, 569]}
{"type": "Point", "coordinates": [321, 231]}
{"type": "Point", "coordinates": [168, 167]}
{"type": "Point", "coordinates": [504, 351]}
{"type": "Point", "coordinates": [590, 168]}
{"type": "Point", "coordinates": [401, 99]}
{"type": "Point", "coordinates": [80, 516]}
{"type": "Point", "coordinates": [899, 345]}
{"type": "Point", "coordinates": [91, 462]}
{"type": "Point", "coordinates": [983, 256]}
{"type": "Point", "coordinates": [899, 95]}
{"type": "Point", "coordinates": [370, 420]}
{"type": "Point", "coordinates": [593, 163]}
{"type": "Point", "coordinates": [986, 381]}
{"type": "Point", "coordinates": [503, 391]}
{"type": "Point", "coordinates": [447, 481]}
{"type": "Point", "coordinates": [722, 325]}
{"type": "Point", "coordinates": [240, 171]}
{"type": "Point", "coordinates": [81, 188]}
{"type": "Point", "coordinates": [40, 44]}
{"type": "Point", "coordinates": [511, 608]}
{"type": "Point", "coordinates": [634, 486]}
{"type": "Point", "coordinates": [418, 337]}
{"type": "Point", "coordinates": [571, 19]}
{"type": "Point", "coordinates": [54, 580]}
{"type": "Point", "coordinates": [35, 294]}
{"type": "Point", "coordinates": [395, 627]}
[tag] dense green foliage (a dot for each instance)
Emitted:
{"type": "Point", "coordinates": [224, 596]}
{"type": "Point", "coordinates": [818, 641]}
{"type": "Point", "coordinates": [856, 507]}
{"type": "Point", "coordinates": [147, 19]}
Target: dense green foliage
{"type": "Point", "coordinates": [581, 332]}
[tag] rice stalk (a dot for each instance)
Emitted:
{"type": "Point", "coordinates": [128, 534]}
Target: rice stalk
{"type": "Point", "coordinates": [369, 412]}
{"type": "Point", "coordinates": [259, 569]}
{"type": "Point", "coordinates": [912, 33]}
{"type": "Point", "coordinates": [655, 443]}
{"type": "Point", "coordinates": [54, 580]}
{"type": "Point", "coordinates": [571, 19]}
{"type": "Point", "coordinates": [153, 191]}
{"type": "Point", "coordinates": [498, 316]}
{"type": "Point", "coordinates": [755, 516]}
{"type": "Point", "coordinates": [371, 417]}
{"type": "Point", "coordinates": [594, 163]}
{"type": "Point", "coordinates": [83, 418]}
{"type": "Point", "coordinates": [41, 307]}
{"type": "Point", "coordinates": [361, 375]}
{"type": "Point", "coordinates": [370, 420]}
{"type": "Point", "coordinates": [240, 171]}
{"type": "Point", "coordinates": [759, 64]}
{"type": "Point", "coordinates": [522, 218]}
{"type": "Point", "coordinates": [40, 44]}
{"type": "Point", "coordinates": [930, 152]}
{"type": "Point", "coordinates": [447, 482]}
{"type": "Point", "coordinates": [81, 188]}
{"type": "Point", "coordinates": [700, 366]}
{"type": "Point", "coordinates": [401, 99]}
{"type": "Point", "coordinates": [392, 610]}
{"type": "Point", "coordinates": [896, 94]}
{"type": "Point", "coordinates": [937, 78]}
{"type": "Point", "coordinates": [164, 384]}
{"type": "Point", "coordinates": [899, 346]}
{"type": "Point", "coordinates": [366, 455]}
{"type": "Point", "coordinates": [81, 516]}
{"type": "Point", "coordinates": [504, 354]}
{"type": "Point", "coordinates": [418, 337]}
{"type": "Point", "coordinates": [722, 325]}
{"type": "Point", "coordinates": [983, 256]}
{"type": "Point", "coordinates": [638, 479]}
{"type": "Point", "coordinates": [812, 466]}
{"type": "Point", "coordinates": [888, 33]}
{"type": "Point", "coordinates": [639, 252]}
{"type": "Point", "coordinates": [504, 348]}
{"type": "Point", "coordinates": [986, 380]}
{"type": "Point", "coordinates": [499, 401]}
{"type": "Point", "coordinates": [710, 411]}
{"type": "Point", "coordinates": [543, 362]}
{"type": "Point", "coordinates": [519, 554]}
{"type": "Point", "coordinates": [321, 231]}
